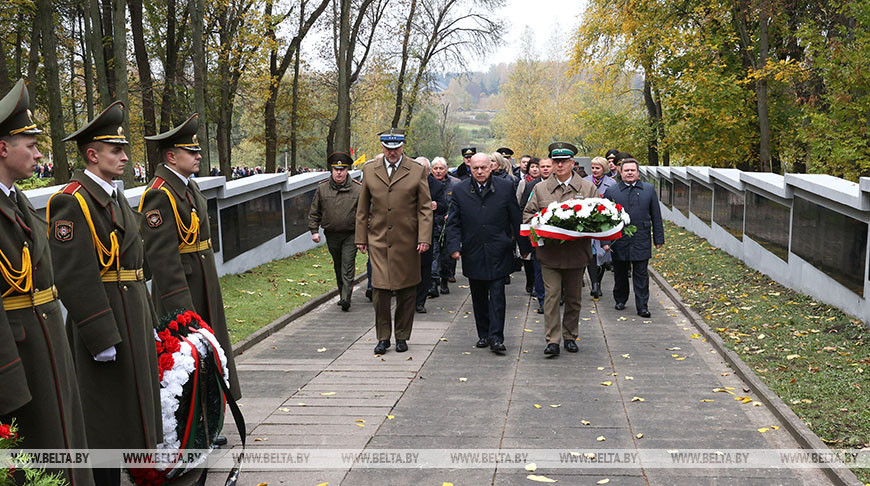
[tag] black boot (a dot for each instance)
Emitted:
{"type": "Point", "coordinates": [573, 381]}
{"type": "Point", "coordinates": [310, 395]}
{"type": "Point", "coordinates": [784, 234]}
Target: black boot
{"type": "Point", "coordinates": [444, 288]}
{"type": "Point", "coordinates": [596, 290]}
{"type": "Point", "coordinates": [433, 290]}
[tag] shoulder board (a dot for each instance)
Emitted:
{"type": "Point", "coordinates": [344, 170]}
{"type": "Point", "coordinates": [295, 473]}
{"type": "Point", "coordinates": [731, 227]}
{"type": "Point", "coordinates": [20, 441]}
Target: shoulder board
{"type": "Point", "coordinates": [158, 183]}
{"type": "Point", "coordinates": [71, 188]}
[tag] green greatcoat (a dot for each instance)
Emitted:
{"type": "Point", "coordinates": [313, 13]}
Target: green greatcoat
{"type": "Point", "coordinates": [121, 398]}
{"type": "Point", "coordinates": [38, 386]}
{"type": "Point", "coordinates": [186, 281]}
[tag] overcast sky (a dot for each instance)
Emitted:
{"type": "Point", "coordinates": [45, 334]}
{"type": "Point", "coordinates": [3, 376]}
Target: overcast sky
{"type": "Point", "coordinates": [553, 19]}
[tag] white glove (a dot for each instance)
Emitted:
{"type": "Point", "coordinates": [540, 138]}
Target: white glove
{"type": "Point", "coordinates": [106, 355]}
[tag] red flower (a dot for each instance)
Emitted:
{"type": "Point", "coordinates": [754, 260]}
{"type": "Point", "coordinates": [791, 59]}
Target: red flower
{"type": "Point", "coordinates": [6, 432]}
{"type": "Point", "coordinates": [543, 211]}
{"type": "Point", "coordinates": [173, 325]}
{"type": "Point", "coordinates": [601, 208]}
{"type": "Point", "coordinates": [577, 208]}
{"type": "Point", "coordinates": [165, 362]}
{"type": "Point", "coordinates": [159, 348]}
{"type": "Point", "coordinates": [164, 334]}
{"type": "Point", "coordinates": [565, 206]}
{"type": "Point", "coordinates": [618, 207]}
{"type": "Point", "coordinates": [172, 345]}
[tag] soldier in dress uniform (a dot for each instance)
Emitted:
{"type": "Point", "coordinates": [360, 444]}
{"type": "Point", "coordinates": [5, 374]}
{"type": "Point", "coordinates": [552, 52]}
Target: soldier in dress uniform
{"type": "Point", "coordinates": [464, 171]}
{"type": "Point", "coordinates": [178, 240]}
{"type": "Point", "coordinates": [98, 254]}
{"type": "Point", "coordinates": [38, 388]}
{"type": "Point", "coordinates": [334, 209]}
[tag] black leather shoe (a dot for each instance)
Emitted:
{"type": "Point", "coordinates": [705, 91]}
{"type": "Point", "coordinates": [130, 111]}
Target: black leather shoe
{"type": "Point", "coordinates": [444, 288]}
{"type": "Point", "coordinates": [644, 313]}
{"type": "Point", "coordinates": [369, 294]}
{"type": "Point", "coordinates": [220, 440]}
{"type": "Point", "coordinates": [540, 309]}
{"type": "Point", "coordinates": [345, 305]}
{"type": "Point", "coordinates": [421, 309]}
{"type": "Point", "coordinates": [620, 306]}
{"type": "Point", "coordinates": [401, 345]}
{"type": "Point", "coordinates": [552, 349]}
{"type": "Point", "coordinates": [498, 347]}
{"type": "Point", "coordinates": [433, 290]}
{"type": "Point", "coordinates": [339, 302]}
{"type": "Point", "coordinates": [571, 346]}
{"type": "Point", "coordinates": [382, 346]}
{"type": "Point", "coordinates": [481, 343]}
{"type": "Point", "coordinates": [596, 290]}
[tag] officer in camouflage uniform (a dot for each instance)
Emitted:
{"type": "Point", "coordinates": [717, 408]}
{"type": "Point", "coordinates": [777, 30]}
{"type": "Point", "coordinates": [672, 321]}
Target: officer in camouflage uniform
{"type": "Point", "coordinates": [178, 240]}
{"type": "Point", "coordinates": [334, 208]}
{"type": "Point", "coordinates": [38, 388]}
{"type": "Point", "coordinates": [98, 254]}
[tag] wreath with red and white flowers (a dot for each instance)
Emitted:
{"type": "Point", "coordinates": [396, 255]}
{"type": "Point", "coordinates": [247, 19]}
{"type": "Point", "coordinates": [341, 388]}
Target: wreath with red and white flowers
{"type": "Point", "coordinates": [187, 352]}
{"type": "Point", "coordinates": [574, 219]}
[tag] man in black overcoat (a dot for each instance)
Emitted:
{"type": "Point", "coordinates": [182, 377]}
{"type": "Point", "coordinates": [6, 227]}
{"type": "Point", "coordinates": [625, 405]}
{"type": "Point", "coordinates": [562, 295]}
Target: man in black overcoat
{"type": "Point", "coordinates": [633, 253]}
{"type": "Point", "coordinates": [483, 227]}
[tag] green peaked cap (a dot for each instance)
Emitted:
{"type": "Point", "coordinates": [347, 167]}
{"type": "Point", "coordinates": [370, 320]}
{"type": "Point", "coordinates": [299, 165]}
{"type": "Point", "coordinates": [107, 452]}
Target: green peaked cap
{"type": "Point", "coordinates": [105, 127]}
{"type": "Point", "coordinates": [182, 136]}
{"type": "Point", "coordinates": [15, 115]}
{"type": "Point", "coordinates": [562, 150]}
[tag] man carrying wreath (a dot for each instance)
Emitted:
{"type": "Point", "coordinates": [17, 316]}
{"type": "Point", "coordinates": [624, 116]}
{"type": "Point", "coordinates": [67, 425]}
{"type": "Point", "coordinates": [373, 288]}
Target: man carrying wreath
{"type": "Point", "coordinates": [562, 265]}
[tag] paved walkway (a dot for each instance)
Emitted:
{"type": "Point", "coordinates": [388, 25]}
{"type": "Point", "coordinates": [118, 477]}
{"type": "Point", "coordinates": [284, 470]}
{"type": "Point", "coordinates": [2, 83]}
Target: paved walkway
{"type": "Point", "coordinates": [317, 385]}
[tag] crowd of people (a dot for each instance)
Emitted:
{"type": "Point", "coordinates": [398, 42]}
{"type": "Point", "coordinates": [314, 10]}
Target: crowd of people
{"type": "Point", "coordinates": [416, 218]}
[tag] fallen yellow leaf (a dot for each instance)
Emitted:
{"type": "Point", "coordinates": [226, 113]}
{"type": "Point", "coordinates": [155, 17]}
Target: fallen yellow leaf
{"type": "Point", "coordinates": [637, 399]}
{"type": "Point", "coordinates": [606, 383]}
{"type": "Point", "coordinates": [463, 380]}
{"type": "Point", "coordinates": [584, 422]}
{"type": "Point", "coordinates": [263, 484]}
{"type": "Point", "coordinates": [528, 330]}
{"type": "Point", "coordinates": [446, 484]}
{"type": "Point", "coordinates": [361, 421]}
{"type": "Point", "coordinates": [600, 438]}
{"type": "Point", "coordinates": [327, 484]}
{"type": "Point", "coordinates": [626, 356]}
{"type": "Point", "coordinates": [707, 400]}
{"type": "Point", "coordinates": [629, 378]}
{"type": "Point", "coordinates": [320, 350]}
{"type": "Point", "coordinates": [603, 481]}
{"type": "Point", "coordinates": [537, 406]}
{"type": "Point", "coordinates": [680, 358]}
{"type": "Point", "coordinates": [327, 394]}
{"type": "Point", "coordinates": [639, 436]}
{"type": "Point", "coordinates": [723, 390]}
{"type": "Point", "coordinates": [792, 356]}
{"type": "Point", "coordinates": [556, 406]}
{"type": "Point", "coordinates": [390, 417]}
{"type": "Point", "coordinates": [531, 467]}
{"type": "Point", "coordinates": [360, 425]}
{"type": "Point", "coordinates": [695, 336]}
{"type": "Point", "coordinates": [540, 479]}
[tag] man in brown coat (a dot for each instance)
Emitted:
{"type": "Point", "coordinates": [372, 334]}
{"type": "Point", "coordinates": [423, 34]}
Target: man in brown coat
{"type": "Point", "coordinates": [334, 209]}
{"type": "Point", "coordinates": [98, 255]}
{"type": "Point", "coordinates": [394, 223]}
{"type": "Point", "coordinates": [38, 387]}
{"type": "Point", "coordinates": [562, 265]}
{"type": "Point", "coordinates": [184, 275]}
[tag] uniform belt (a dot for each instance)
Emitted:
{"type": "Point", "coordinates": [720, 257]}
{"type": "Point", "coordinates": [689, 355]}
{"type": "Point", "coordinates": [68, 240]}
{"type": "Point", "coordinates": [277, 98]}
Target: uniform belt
{"type": "Point", "coordinates": [202, 245]}
{"type": "Point", "coordinates": [124, 275]}
{"type": "Point", "coordinates": [25, 301]}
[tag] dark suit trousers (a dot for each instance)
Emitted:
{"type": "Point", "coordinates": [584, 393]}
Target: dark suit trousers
{"type": "Point", "coordinates": [404, 312]}
{"type": "Point", "coordinates": [343, 252]}
{"type": "Point", "coordinates": [488, 301]}
{"type": "Point", "coordinates": [426, 274]}
{"type": "Point", "coordinates": [639, 280]}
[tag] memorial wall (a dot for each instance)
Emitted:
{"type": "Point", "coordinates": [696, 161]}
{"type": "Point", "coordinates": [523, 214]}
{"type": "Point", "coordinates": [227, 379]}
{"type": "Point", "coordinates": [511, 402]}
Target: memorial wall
{"type": "Point", "coordinates": [809, 232]}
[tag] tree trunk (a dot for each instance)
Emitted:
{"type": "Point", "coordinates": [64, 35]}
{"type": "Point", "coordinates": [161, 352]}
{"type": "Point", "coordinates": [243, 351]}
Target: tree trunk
{"type": "Point", "coordinates": [169, 65]}
{"type": "Point", "coordinates": [294, 114]}
{"type": "Point", "coordinates": [400, 83]}
{"type": "Point", "coordinates": [5, 84]}
{"type": "Point", "coordinates": [109, 48]}
{"type": "Point", "coordinates": [652, 121]}
{"type": "Point", "coordinates": [96, 47]}
{"type": "Point", "coordinates": [19, 42]}
{"type": "Point", "coordinates": [33, 55]}
{"type": "Point", "coordinates": [199, 82]}
{"type": "Point", "coordinates": [271, 132]}
{"type": "Point", "coordinates": [342, 119]}
{"type": "Point", "coordinates": [761, 87]}
{"type": "Point", "coordinates": [44, 19]}
{"type": "Point", "coordinates": [143, 64]}
{"type": "Point", "coordinates": [87, 67]}
{"type": "Point", "coordinates": [122, 92]}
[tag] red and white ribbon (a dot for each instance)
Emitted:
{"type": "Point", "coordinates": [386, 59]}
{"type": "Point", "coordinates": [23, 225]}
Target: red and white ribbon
{"type": "Point", "coordinates": [556, 233]}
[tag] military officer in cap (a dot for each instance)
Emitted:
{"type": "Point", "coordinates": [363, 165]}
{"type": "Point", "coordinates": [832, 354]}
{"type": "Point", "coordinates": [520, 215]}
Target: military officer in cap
{"type": "Point", "coordinates": [97, 252]}
{"type": "Point", "coordinates": [464, 171]}
{"type": "Point", "coordinates": [394, 223]}
{"type": "Point", "coordinates": [562, 265]}
{"type": "Point", "coordinates": [178, 240]}
{"type": "Point", "coordinates": [508, 155]}
{"type": "Point", "coordinates": [38, 388]}
{"type": "Point", "coordinates": [334, 209]}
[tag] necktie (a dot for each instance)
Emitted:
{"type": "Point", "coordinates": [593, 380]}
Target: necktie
{"type": "Point", "coordinates": [392, 170]}
{"type": "Point", "coordinates": [13, 195]}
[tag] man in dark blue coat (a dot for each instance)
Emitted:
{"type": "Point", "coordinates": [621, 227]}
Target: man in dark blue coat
{"type": "Point", "coordinates": [640, 201]}
{"type": "Point", "coordinates": [482, 227]}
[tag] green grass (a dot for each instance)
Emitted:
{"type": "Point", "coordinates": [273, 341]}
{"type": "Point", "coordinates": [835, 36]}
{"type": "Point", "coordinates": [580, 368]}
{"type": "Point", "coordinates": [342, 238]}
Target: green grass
{"type": "Point", "coordinates": [257, 297]}
{"type": "Point", "coordinates": [814, 356]}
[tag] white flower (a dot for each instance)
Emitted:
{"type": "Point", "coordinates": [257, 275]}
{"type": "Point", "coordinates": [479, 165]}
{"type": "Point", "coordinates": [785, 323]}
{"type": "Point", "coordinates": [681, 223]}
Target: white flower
{"type": "Point", "coordinates": [626, 218]}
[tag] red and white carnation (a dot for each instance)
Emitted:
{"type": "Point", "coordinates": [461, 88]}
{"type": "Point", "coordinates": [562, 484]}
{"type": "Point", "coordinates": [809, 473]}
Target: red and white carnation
{"type": "Point", "coordinates": [574, 219]}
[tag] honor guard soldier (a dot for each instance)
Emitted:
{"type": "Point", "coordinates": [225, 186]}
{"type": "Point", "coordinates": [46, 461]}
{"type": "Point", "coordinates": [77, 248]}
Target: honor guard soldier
{"type": "Point", "coordinates": [38, 388]}
{"type": "Point", "coordinates": [97, 252]}
{"type": "Point", "coordinates": [178, 240]}
{"type": "Point", "coordinates": [334, 209]}
{"type": "Point", "coordinates": [464, 171]}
